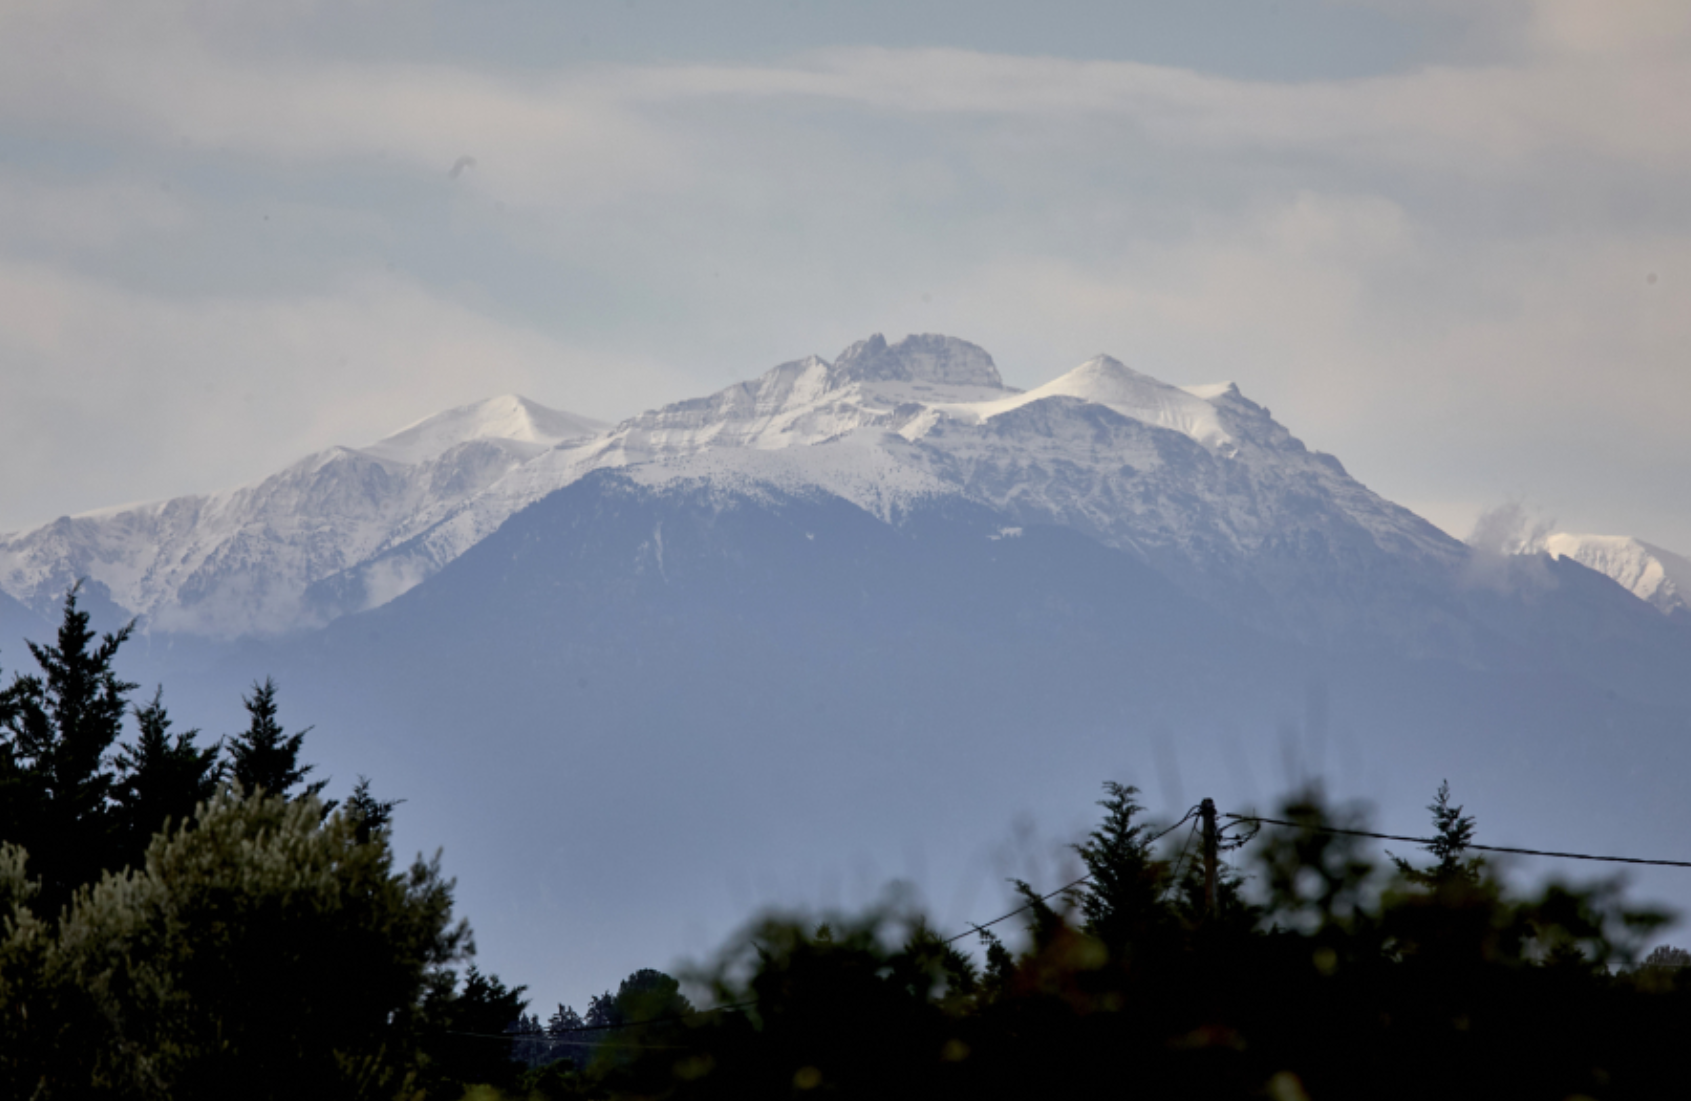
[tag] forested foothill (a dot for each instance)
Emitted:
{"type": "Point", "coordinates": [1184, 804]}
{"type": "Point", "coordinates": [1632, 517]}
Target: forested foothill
{"type": "Point", "coordinates": [183, 919]}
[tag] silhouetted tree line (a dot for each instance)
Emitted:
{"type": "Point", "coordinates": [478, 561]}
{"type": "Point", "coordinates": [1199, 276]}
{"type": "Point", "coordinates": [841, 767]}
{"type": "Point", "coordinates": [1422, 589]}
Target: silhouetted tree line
{"type": "Point", "coordinates": [1317, 973]}
{"type": "Point", "coordinates": [188, 920]}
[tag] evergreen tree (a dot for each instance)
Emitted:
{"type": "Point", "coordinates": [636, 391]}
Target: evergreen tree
{"type": "Point", "coordinates": [563, 1023]}
{"type": "Point", "coordinates": [1453, 833]}
{"type": "Point", "coordinates": [1667, 956]}
{"type": "Point", "coordinates": [373, 816]}
{"type": "Point", "coordinates": [464, 1050]}
{"type": "Point", "coordinates": [1122, 898]}
{"type": "Point", "coordinates": [163, 778]}
{"type": "Point", "coordinates": [55, 775]}
{"type": "Point", "coordinates": [602, 1012]}
{"type": "Point", "coordinates": [262, 756]}
{"type": "Point", "coordinates": [22, 794]}
{"type": "Point", "coordinates": [650, 995]}
{"type": "Point", "coordinates": [647, 1007]}
{"type": "Point", "coordinates": [530, 1046]}
{"type": "Point", "coordinates": [563, 1029]}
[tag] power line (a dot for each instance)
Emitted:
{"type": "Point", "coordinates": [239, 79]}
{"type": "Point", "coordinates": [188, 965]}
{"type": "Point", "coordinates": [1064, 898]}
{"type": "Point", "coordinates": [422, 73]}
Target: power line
{"type": "Point", "coordinates": [1184, 850]}
{"type": "Point", "coordinates": [976, 929]}
{"type": "Point", "coordinates": [985, 925]}
{"type": "Point", "coordinates": [550, 1041]}
{"type": "Point", "coordinates": [973, 929]}
{"type": "Point", "coordinates": [1483, 848]}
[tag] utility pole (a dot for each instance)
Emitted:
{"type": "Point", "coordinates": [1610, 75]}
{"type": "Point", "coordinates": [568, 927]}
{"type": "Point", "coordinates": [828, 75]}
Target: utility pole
{"type": "Point", "coordinates": [1206, 811]}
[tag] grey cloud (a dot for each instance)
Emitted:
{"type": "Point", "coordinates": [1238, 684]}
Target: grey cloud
{"type": "Point", "coordinates": [1438, 274]}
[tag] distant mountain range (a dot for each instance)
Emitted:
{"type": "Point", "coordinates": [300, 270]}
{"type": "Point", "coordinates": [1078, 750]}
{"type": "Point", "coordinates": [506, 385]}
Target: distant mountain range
{"type": "Point", "coordinates": [849, 611]}
{"type": "Point", "coordinates": [1199, 482]}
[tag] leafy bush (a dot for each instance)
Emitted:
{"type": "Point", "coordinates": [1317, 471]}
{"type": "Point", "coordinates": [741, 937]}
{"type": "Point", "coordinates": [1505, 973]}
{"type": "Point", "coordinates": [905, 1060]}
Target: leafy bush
{"type": "Point", "coordinates": [262, 950]}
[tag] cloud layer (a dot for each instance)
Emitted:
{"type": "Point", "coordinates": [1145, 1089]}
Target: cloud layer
{"type": "Point", "coordinates": [227, 238]}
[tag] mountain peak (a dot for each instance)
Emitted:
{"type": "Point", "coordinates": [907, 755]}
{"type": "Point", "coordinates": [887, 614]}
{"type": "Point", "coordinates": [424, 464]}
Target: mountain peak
{"type": "Point", "coordinates": [1656, 576]}
{"type": "Point", "coordinates": [920, 357]}
{"type": "Point", "coordinates": [1109, 382]}
{"type": "Point", "coordinates": [506, 417]}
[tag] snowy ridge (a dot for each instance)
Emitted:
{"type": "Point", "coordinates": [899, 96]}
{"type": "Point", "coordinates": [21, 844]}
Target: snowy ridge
{"type": "Point", "coordinates": [236, 562]}
{"type": "Point", "coordinates": [509, 417]}
{"type": "Point", "coordinates": [1200, 481]}
{"type": "Point", "coordinates": [1658, 577]}
{"type": "Point", "coordinates": [1204, 484]}
{"type": "Point", "coordinates": [1114, 385]}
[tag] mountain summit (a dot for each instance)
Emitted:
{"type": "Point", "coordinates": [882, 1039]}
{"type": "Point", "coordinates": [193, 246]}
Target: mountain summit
{"type": "Point", "coordinates": [509, 418]}
{"type": "Point", "coordinates": [923, 358]}
{"type": "Point", "coordinates": [1111, 383]}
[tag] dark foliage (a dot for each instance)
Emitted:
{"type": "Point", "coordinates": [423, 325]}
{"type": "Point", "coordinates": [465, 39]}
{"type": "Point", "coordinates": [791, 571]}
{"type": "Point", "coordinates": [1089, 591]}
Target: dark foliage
{"type": "Point", "coordinates": [1453, 833]}
{"type": "Point", "coordinates": [56, 730]}
{"type": "Point", "coordinates": [164, 934]}
{"type": "Point", "coordinates": [467, 1029]}
{"type": "Point", "coordinates": [263, 949]}
{"type": "Point", "coordinates": [162, 779]}
{"type": "Point", "coordinates": [264, 757]}
{"type": "Point", "coordinates": [1343, 980]}
{"type": "Point", "coordinates": [373, 816]}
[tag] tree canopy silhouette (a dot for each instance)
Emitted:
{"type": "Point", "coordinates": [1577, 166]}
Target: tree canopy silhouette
{"type": "Point", "coordinates": [163, 778]}
{"type": "Point", "coordinates": [56, 730]}
{"type": "Point", "coordinates": [263, 757]}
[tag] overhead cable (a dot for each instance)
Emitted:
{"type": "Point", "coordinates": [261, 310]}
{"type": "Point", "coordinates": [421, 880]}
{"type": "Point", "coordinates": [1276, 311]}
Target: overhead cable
{"type": "Point", "coordinates": [1483, 848]}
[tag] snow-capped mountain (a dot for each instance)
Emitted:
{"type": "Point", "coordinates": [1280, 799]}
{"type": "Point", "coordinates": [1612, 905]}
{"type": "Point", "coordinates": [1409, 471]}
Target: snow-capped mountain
{"type": "Point", "coordinates": [1658, 577]}
{"type": "Point", "coordinates": [237, 562]}
{"type": "Point", "coordinates": [1200, 482]}
{"type": "Point", "coordinates": [674, 672]}
{"type": "Point", "coordinates": [855, 609]}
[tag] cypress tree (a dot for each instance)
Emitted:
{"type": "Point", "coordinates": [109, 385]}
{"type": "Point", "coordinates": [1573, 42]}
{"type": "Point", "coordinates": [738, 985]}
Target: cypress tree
{"type": "Point", "coordinates": [57, 728]}
{"type": "Point", "coordinates": [373, 816]}
{"type": "Point", "coordinates": [1122, 900]}
{"type": "Point", "coordinates": [1453, 833]}
{"type": "Point", "coordinates": [262, 756]}
{"type": "Point", "coordinates": [164, 778]}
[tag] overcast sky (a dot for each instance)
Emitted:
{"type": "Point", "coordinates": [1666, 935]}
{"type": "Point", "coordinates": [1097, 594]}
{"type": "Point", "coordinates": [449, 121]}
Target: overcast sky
{"type": "Point", "coordinates": [1449, 242]}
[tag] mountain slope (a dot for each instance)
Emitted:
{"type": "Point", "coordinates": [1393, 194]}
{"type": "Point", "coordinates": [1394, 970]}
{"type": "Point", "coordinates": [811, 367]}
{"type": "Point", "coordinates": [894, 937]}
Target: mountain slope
{"type": "Point", "coordinates": [1658, 577]}
{"type": "Point", "coordinates": [1201, 483]}
{"type": "Point", "coordinates": [631, 697]}
{"type": "Point", "coordinates": [237, 562]}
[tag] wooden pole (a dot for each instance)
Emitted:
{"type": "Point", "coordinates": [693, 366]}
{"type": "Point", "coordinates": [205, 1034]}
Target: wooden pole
{"type": "Point", "coordinates": [1206, 811]}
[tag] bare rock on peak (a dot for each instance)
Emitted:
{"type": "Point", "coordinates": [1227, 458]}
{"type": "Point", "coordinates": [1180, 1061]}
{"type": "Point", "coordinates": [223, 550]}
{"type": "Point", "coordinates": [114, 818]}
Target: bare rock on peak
{"type": "Point", "coordinates": [924, 357]}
